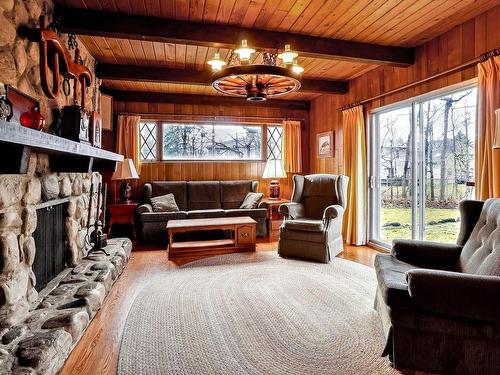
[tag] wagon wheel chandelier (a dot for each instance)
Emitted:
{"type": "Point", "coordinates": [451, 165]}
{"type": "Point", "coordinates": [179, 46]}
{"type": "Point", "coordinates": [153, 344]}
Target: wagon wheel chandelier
{"type": "Point", "coordinates": [256, 82]}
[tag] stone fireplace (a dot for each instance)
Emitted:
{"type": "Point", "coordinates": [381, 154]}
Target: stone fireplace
{"type": "Point", "coordinates": [39, 328]}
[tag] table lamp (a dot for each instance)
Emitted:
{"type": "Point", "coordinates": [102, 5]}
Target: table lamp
{"type": "Point", "coordinates": [496, 140]}
{"type": "Point", "coordinates": [274, 169]}
{"type": "Point", "coordinates": [125, 171]}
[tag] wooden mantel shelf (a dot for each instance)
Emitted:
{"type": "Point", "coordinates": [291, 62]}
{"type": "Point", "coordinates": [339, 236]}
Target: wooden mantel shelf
{"type": "Point", "coordinates": [17, 142]}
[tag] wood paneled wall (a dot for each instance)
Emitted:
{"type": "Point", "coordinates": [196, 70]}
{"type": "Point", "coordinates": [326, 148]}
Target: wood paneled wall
{"type": "Point", "coordinates": [207, 170]}
{"type": "Point", "coordinates": [459, 45]}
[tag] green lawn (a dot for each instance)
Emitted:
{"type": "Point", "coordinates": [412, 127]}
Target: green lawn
{"type": "Point", "coordinates": [445, 232]}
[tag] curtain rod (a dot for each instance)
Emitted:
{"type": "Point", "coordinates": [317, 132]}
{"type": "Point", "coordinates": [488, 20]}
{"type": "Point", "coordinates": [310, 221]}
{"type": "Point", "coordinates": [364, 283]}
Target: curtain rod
{"type": "Point", "coordinates": [212, 117]}
{"type": "Point", "coordinates": [465, 65]}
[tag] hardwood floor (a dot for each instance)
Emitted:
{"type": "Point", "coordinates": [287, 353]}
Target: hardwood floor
{"type": "Point", "coordinates": [97, 351]}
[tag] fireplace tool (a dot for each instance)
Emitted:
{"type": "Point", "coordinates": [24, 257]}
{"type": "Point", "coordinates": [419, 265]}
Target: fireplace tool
{"type": "Point", "coordinates": [95, 236]}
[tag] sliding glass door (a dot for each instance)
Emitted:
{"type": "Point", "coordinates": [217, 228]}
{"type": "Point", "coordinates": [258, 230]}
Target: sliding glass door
{"type": "Point", "coordinates": [421, 166]}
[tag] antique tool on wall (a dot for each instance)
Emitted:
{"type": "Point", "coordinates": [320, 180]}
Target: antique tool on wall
{"type": "Point", "coordinates": [54, 56]}
{"type": "Point", "coordinates": [95, 236]}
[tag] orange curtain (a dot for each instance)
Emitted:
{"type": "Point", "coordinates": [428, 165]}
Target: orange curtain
{"type": "Point", "coordinates": [353, 128]}
{"type": "Point", "coordinates": [128, 139]}
{"type": "Point", "coordinates": [487, 158]}
{"type": "Point", "coordinates": [292, 146]}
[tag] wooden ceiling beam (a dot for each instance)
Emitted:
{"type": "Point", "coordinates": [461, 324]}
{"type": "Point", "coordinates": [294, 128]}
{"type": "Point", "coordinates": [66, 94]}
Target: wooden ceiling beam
{"type": "Point", "coordinates": [194, 77]}
{"type": "Point", "coordinates": [213, 100]}
{"type": "Point", "coordinates": [136, 27]}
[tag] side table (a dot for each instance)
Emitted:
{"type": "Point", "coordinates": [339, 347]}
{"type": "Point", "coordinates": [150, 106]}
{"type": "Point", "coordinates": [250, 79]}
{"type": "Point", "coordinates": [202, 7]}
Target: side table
{"type": "Point", "coordinates": [272, 209]}
{"type": "Point", "coordinates": [122, 213]}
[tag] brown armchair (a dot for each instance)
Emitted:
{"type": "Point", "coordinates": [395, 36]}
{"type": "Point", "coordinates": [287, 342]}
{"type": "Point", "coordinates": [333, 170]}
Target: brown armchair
{"type": "Point", "coordinates": [312, 228]}
{"type": "Point", "coordinates": [440, 303]}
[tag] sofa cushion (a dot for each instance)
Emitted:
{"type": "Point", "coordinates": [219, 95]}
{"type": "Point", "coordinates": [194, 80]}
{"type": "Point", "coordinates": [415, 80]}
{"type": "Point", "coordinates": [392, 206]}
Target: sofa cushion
{"type": "Point", "coordinates": [481, 253]}
{"type": "Point", "coordinates": [164, 203]}
{"type": "Point", "coordinates": [253, 213]}
{"type": "Point", "coordinates": [301, 236]}
{"type": "Point", "coordinates": [205, 214]}
{"type": "Point", "coordinates": [233, 193]}
{"type": "Point", "coordinates": [149, 217]}
{"type": "Point", "coordinates": [177, 188]}
{"type": "Point", "coordinates": [305, 225]}
{"type": "Point", "coordinates": [203, 195]}
{"type": "Point", "coordinates": [252, 200]}
{"type": "Point", "coordinates": [391, 276]}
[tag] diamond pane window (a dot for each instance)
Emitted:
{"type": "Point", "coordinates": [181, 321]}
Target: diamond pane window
{"type": "Point", "coordinates": [274, 142]}
{"type": "Point", "coordinates": [148, 140]}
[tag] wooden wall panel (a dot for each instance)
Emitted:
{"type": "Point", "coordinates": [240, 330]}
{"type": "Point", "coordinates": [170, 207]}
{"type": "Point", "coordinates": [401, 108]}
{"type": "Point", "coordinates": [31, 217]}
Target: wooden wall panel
{"type": "Point", "coordinates": [460, 44]}
{"type": "Point", "coordinates": [207, 170]}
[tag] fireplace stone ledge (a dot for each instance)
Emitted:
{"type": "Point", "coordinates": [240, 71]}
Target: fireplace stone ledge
{"type": "Point", "coordinates": [43, 341]}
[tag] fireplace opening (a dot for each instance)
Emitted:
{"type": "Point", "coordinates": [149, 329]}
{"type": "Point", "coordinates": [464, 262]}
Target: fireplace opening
{"type": "Point", "coordinates": [50, 236]}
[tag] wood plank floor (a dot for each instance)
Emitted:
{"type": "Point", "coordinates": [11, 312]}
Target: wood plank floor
{"type": "Point", "coordinates": [97, 351]}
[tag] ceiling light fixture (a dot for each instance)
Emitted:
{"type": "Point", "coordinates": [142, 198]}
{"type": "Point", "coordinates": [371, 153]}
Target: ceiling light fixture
{"type": "Point", "coordinates": [288, 55]}
{"type": "Point", "coordinates": [296, 67]}
{"type": "Point", "coordinates": [244, 51]}
{"type": "Point", "coordinates": [216, 63]}
{"type": "Point", "coordinates": [256, 82]}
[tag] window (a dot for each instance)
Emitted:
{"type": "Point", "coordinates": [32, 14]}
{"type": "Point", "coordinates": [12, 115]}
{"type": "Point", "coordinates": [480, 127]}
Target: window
{"type": "Point", "coordinates": [211, 142]}
{"type": "Point", "coordinates": [167, 141]}
{"type": "Point", "coordinates": [274, 142]}
{"type": "Point", "coordinates": [148, 140]}
{"type": "Point", "coordinates": [422, 165]}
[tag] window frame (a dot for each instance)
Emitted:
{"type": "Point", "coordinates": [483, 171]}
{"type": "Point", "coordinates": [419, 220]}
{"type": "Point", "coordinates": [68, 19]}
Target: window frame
{"type": "Point", "coordinates": [373, 213]}
{"type": "Point", "coordinates": [159, 145]}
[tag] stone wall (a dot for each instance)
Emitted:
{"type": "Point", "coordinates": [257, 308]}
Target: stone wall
{"type": "Point", "coordinates": [19, 58]}
{"type": "Point", "coordinates": [19, 195]}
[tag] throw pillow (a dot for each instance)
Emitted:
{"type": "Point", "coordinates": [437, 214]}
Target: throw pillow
{"type": "Point", "coordinates": [164, 203]}
{"type": "Point", "coordinates": [252, 200]}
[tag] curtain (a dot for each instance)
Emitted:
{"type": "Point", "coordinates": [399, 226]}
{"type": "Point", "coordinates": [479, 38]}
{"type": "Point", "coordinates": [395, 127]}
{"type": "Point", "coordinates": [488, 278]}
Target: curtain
{"type": "Point", "coordinates": [128, 139]}
{"type": "Point", "coordinates": [487, 158]}
{"type": "Point", "coordinates": [292, 146]}
{"type": "Point", "coordinates": [353, 125]}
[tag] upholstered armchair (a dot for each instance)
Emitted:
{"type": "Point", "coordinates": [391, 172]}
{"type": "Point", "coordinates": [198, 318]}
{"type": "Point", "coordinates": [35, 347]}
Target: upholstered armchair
{"type": "Point", "coordinates": [312, 228]}
{"type": "Point", "coordinates": [440, 303]}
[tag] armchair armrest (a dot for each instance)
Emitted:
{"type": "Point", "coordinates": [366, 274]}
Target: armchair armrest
{"type": "Point", "coordinates": [292, 210]}
{"type": "Point", "coordinates": [427, 253]}
{"type": "Point", "coordinates": [455, 294]}
{"type": "Point", "coordinates": [143, 208]}
{"type": "Point", "coordinates": [262, 204]}
{"type": "Point", "coordinates": [332, 212]}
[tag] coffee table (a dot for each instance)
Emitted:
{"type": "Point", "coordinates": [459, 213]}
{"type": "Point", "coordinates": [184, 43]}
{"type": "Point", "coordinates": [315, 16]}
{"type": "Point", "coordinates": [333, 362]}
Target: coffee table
{"type": "Point", "coordinates": [242, 237]}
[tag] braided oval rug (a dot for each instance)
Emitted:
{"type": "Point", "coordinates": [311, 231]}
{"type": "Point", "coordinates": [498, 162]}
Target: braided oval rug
{"type": "Point", "coordinates": [255, 313]}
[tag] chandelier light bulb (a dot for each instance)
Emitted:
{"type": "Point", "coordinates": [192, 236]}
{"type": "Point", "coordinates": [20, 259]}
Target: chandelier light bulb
{"type": "Point", "coordinates": [288, 55]}
{"type": "Point", "coordinates": [244, 51]}
{"type": "Point", "coordinates": [216, 63]}
{"type": "Point", "coordinates": [296, 67]}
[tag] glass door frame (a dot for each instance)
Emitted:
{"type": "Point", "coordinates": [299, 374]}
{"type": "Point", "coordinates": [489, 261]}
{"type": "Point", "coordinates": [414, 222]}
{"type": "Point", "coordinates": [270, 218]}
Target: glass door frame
{"type": "Point", "coordinates": [418, 164]}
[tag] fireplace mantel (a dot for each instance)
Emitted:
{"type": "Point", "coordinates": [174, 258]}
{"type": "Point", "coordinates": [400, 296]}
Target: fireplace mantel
{"type": "Point", "coordinates": [17, 142]}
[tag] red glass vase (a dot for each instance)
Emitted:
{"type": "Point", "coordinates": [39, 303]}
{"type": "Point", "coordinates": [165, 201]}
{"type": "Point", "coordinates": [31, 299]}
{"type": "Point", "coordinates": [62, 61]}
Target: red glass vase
{"type": "Point", "coordinates": [33, 119]}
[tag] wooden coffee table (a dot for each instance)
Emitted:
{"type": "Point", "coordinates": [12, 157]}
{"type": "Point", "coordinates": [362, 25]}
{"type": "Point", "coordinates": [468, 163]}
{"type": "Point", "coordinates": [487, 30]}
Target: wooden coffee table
{"type": "Point", "coordinates": [243, 236]}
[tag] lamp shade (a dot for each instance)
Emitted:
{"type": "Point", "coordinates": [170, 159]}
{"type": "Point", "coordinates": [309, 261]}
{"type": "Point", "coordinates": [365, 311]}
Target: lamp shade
{"type": "Point", "coordinates": [496, 140]}
{"type": "Point", "coordinates": [274, 169]}
{"type": "Point", "coordinates": [125, 170]}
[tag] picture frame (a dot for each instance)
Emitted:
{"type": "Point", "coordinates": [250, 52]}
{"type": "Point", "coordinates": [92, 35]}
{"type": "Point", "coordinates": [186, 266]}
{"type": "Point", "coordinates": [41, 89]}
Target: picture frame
{"type": "Point", "coordinates": [106, 111]}
{"type": "Point", "coordinates": [325, 143]}
{"type": "Point", "coordinates": [20, 102]}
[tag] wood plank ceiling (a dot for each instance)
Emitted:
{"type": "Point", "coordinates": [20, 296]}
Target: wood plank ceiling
{"type": "Point", "coordinates": [403, 23]}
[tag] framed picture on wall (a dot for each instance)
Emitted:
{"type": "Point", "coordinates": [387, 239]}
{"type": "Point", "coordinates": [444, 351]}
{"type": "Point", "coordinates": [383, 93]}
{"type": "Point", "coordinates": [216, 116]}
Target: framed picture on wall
{"type": "Point", "coordinates": [106, 111]}
{"type": "Point", "coordinates": [325, 144]}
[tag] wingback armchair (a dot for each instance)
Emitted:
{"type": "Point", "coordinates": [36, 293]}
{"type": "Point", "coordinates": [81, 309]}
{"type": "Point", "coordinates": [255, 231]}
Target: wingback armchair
{"type": "Point", "coordinates": [440, 303]}
{"type": "Point", "coordinates": [312, 228]}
